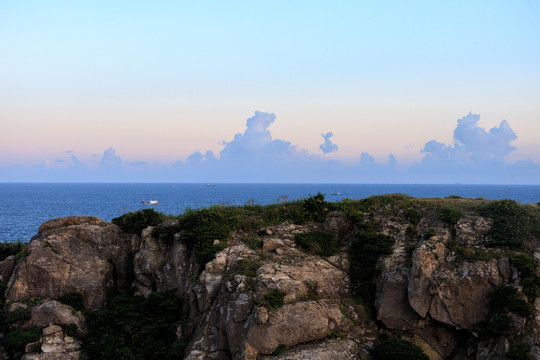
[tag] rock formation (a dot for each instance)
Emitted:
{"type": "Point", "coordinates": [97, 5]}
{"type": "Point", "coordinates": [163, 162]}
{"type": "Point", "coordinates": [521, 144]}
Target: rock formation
{"type": "Point", "coordinates": [426, 289]}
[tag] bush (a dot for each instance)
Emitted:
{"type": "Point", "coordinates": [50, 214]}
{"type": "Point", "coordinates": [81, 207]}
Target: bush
{"type": "Point", "coordinates": [10, 248]}
{"type": "Point", "coordinates": [413, 216]}
{"type": "Point", "coordinates": [132, 327]}
{"type": "Point", "coordinates": [317, 242]}
{"type": "Point", "coordinates": [450, 216]}
{"type": "Point", "coordinates": [73, 299]}
{"type": "Point", "coordinates": [135, 222]}
{"type": "Point", "coordinates": [519, 351]}
{"type": "Point", "coordinates": [506, 298]}
{"type": "Point", "coordinates": [527, 274]}
{"type": "Point", "coordinates": [273, 300]}
{"type": "Point", "coordinates": [199, 228]}
{"type": "Point", "coordinates": [511, 222]}
{"type": "Point", "coordinates": [398, 349]}
{"type": "Point", "coordinates": [364, 253]}
{"type": "Point", "coordinates": [19, 314]}
{"type": "Point", "coordinates": [17, 338]}
{"type": "Point", "coordinates": [316, 207]}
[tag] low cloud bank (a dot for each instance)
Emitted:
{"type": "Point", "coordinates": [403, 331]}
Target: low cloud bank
{"type": "Point", "coordinates": [476, 156]}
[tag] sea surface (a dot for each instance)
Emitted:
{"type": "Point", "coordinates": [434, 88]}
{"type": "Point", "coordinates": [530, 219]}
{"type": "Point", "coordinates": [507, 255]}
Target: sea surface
{"type": "Point", "coordinates": [24, 207]}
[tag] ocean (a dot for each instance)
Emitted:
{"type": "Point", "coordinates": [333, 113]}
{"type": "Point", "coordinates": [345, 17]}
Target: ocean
{"type": "Point", "coordinates": [24, 207]}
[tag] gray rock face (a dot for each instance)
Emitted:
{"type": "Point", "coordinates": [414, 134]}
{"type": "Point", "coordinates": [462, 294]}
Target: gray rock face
{"type": "Point", "coordinates": [52, 311]}
{"type": "Point", "coordinates": [76, 254]}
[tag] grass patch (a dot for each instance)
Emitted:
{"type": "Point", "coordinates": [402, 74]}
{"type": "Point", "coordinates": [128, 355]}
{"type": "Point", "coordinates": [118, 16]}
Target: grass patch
{"type": "Point", "coordinates": [317, 242]}
{"type": "Point", "coordinates": [248, 267]}
{"type": "Point", "coordinates": [449, 215]}
{"type": "Point", "coordinates": [273, 300]}
{"type": "Point", "coordinates": [512, 222]}
{"type": "Point", "coordinates": [312, 292]}
{"type": "Point", "coordinates": [527, 274]}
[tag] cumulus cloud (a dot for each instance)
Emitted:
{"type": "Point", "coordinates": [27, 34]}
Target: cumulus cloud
{"type": "Point", "coordinates": [472, 144]}
{"type": "Point", "coordinates": [256, 143]}
{"type": "Point", "coordinates": [475, 155]}
{"type": "Point", "coordinates": [328, 146]}
{"type": "Point", "coordinates": [109, 160]}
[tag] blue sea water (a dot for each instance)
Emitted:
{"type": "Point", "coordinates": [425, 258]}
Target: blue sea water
{"type": "Point", "coordinates": [24, 207]}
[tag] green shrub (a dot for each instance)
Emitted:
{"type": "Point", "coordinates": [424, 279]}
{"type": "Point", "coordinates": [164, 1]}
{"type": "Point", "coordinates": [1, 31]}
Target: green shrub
{"type": "Point", "coordinates": [499, 325]}
{"type": "Point", "coordinates": [16, 339]}
{"type": "Point", "coordinates": [312, 292]}
{"type": "Point", "coordinates": [137, 328]}
{"type": "Point", "coordinates": [429, 234]}
{"type": "Point", "coordinates": [413, 216]}
{"type": "Point", "coordinates": [315, 207]}
{"type": "Point", "coordinates": [135, 222]}
{"type": "Point", "coordinates": [199, 228]}
{"type": "Point", "coordinates": [511, 222]}
{"type": "Point", "coordinates": [70, 329]}
{"type": "Point", "coordinates": [10, 248]}
{"type": "Point", "coordinates": [527, 273]}
{"type": "Point", "coordinates": [19, 314]}
{"type": "Point", "coordinates": [506, 298]}
{"type": "Point", "coordinates": [450, 216]}
{"type": "Point", "coordinates": [254, 242]}
{"type": "Point", "coordinates": [248, 267]}
{"type": "Point", "coordinates": [519, 351]}
{"type": "Point", "coordinates": [73, 299]}
{"type": "Point", "coordinates": [273, 299]}
{"type": "Point", "coordinates": [364, 253]}
{"type": "Point", "coordinates": [317, 242]}
{"type": "Point", "coordinates": [398, 349]}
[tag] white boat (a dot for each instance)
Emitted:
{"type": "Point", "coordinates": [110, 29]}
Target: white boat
{"type": "Point", "coordinates": [150, 202]}
{"type": "Point", "coordinates": [336, 193]}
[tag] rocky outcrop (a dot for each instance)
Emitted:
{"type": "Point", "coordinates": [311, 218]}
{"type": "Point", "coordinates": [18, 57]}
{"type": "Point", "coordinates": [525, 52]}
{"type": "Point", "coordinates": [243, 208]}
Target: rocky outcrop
{"type": "Point", "coordinates": [77, 254]}
{"type": "Point", "coordinates": [53, 345]}
{"type": "Point", "coordinates": [426, 291]}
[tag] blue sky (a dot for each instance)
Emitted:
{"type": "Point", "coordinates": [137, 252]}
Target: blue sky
{"type": "Point", "coordinates": [162, 91]}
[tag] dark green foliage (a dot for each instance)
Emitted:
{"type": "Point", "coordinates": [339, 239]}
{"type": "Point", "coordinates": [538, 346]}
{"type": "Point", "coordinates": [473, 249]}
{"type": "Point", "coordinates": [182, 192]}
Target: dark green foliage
{"type": "Point", "coordinates": [279, 350]}
{"type": "Point", "coordinates": [73, 299]}
{"type": "Point", "coordinates": [254, 242]}
{"type": "Point", "coordinates": [17, 339]}
{"type": "Point", "coordinates": [413, 216]}
{"type": "Point", "coordinates": [135, 222]}
{"type": "Point", "coordinates": [519, 351]}
{"type": "Point", "coordinates": [273, 300]}
{"type": "Point", "coordinates": [248, 267]}
{"type": "Point", "coordinates": [430, 233]}
{"type": "Point", "coordinates": [449, 215]}
{"type": "Point", "coordinates": [70, 329]}
{"type": "Point", "coordinates": [131, 327]}
{"type": "Point", "coordinates": [315, 207]}
{"type": "Point", "coordinates": [499, 325]}
{"type": "Point", "coordinates": [165, 234]}
{"type": "Point", "coordinates": [10, 248]}
{"type": "Point", "coordinates": [471, 253]}
{"type": "Point", "coordinates": [506, 298]}
{"type": "Point", "coordinates": [398, 349]}
{"type": "Point", "coordinates": [511, 222]}
{"type": "Point", "coordinates": [19, 314]}
{"type": "Point", "coordinates": [364, 253]}
{"type": "Point", "coordinates": [527, 273]}
{"type": "Point", "coordinates": [312, 292]}
{"type": "Point", "coordinates": [199, 228]}
{"type": "Point", "coordinates": [453, 197]}
{"type": "Point", "coordinates": [317, 242]}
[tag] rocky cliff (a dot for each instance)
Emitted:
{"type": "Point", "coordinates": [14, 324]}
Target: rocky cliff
{"type": "Point", "coordinates": [333, 281]}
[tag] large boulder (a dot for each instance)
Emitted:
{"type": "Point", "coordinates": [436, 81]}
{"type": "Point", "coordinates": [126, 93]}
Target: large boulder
{"type": "Point", "coordinates": [75, 254]}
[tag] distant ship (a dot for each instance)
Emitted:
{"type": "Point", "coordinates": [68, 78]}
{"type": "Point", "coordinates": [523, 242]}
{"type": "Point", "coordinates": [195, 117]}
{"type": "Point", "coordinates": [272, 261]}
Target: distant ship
{"type": "Point", "coordinates": [150, 202]}
{"type": "Point", "coordinates": [336, 193]}
{"type": "Point", "coordinates": [210, 184]}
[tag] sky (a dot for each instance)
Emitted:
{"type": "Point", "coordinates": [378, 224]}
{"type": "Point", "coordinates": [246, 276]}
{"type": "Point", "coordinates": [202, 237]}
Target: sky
{"type": "Point", "coordinates": [270, 91]}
